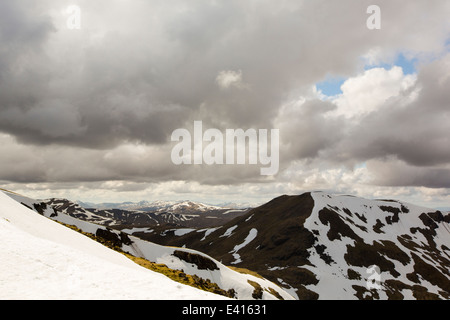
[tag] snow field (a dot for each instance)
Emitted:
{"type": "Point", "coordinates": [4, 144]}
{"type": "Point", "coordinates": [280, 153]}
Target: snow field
{"type": "Point", "coordinates": [41, 259]}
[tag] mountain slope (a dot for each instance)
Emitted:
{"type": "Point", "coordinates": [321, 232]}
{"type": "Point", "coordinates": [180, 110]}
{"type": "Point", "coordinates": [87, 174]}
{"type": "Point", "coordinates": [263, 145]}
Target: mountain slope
{"type": "Point", "coordinates": [41, 259]}
{"type": "Point", "coordinates": [190, 262]}
{"type": "Point", "coordinates": [323, 246]}
{"type": "Point", "coordinates": [314, 246]}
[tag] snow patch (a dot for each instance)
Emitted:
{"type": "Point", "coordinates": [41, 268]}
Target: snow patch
{"type": "Point", "coordinates": [250, 237]}
{"type": "Point", "coordinates": [207, 232]}
{"type": "Point", "coordinates": [182, 232]}
{"type": "Point", "coordinates": [229, 231]}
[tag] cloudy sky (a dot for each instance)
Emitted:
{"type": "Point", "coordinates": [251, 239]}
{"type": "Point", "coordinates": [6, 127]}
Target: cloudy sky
{"type": "Point", "coordinates": [88, 113]}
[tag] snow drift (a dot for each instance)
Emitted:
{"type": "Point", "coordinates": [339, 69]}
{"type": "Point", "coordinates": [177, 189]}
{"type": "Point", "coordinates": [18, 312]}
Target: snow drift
{"type": "Point", "coordinates": [41, 259]}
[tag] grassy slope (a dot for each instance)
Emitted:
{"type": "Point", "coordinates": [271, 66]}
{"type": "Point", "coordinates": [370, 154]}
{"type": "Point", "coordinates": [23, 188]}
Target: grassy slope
{"type": "Point", "coordinates": [176, 275]}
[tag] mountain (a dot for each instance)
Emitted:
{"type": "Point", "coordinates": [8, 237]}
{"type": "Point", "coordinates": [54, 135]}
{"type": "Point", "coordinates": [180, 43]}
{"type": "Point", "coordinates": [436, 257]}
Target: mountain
{"type": "Point", "coordinates": [178, 206]}
{"type": "Point", "coordinates": [322, 246]}
{"type": "Point", "coordinates": [53, 253]}
{"type": "Point", "coordinates": [310, 246]}
{"type": "Point", "coordinates": [144, 214]}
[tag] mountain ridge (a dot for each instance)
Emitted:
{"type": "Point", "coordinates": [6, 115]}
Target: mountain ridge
{"type": "Point", "coordinates": [184, 213]}
{"type": "Point", "coordinates": [160, 205]}
{"type": "Point", "coordinates": [316, 241]}
{"type": "Point", "coordinates": [322, 246]}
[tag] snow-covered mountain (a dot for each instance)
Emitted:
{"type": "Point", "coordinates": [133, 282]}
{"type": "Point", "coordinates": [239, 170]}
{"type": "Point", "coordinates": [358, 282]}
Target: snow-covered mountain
{"type": "Point", "coordinates": [176, 206]}
{"type": "Point", "coordinates": [312, 246]}
{"type": "Point", "coordinates": [323, 246]}
{"type": "Point", "coordinates": [180, 213]}
{"type": "Point", "coordinates": [41, 253]}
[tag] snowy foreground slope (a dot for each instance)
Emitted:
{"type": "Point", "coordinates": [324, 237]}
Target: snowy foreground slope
{"type": "Point", "coordinates": [70, 265]}
{"type": "Point", "coordinates": [41, 259]}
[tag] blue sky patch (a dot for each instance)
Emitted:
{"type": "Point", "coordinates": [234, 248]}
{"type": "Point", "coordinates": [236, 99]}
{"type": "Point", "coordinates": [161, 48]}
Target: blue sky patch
{"type": "Point", "coordinates": [408, 65]}
{"type": "Point", "coordinates": [331, 86]}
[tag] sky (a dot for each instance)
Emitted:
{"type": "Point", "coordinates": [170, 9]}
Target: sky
{"type": "Point", "coordinates": [88, 106]}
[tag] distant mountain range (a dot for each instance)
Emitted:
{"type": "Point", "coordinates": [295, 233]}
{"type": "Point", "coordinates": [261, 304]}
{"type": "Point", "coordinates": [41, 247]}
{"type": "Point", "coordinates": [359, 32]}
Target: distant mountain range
{"type": "Point", "coordinates": [146, 214]}
{"type": "Point", "coordinates": [175, 206]}
{"type": "Point", "coordinates": [310, 246]}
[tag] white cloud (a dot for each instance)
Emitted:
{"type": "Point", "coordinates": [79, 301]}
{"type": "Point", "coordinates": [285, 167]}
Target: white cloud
{"type": "Point", "coordinates": [369, 91]}
{"type": "Point", "coordinates": [229, 78]}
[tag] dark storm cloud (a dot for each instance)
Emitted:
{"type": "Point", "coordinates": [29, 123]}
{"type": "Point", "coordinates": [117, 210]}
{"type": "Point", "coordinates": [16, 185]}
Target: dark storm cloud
{"type": "Point", "coordinates": [311, 132]}
{"type": "Point", "coordinates": [20, 27]}
{"type": "Point", "coordinates": [22, 35]}
{"type": "Point", "coordinates": [135, 83]}
{"type": "Point", "coordinates": [138, 70]}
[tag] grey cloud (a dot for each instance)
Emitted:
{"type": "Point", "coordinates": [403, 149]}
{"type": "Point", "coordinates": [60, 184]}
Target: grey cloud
{"type": "Point", "coordinates": [305, 131]}
{"type": "Point", "coordinates": [21, 28]}
{"type": "Point", "coordinates": [396, 173]}
{"type": "Point", "coordinates": [141, 70]}
{"type": "Point", "coordinates": [268, 42]}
